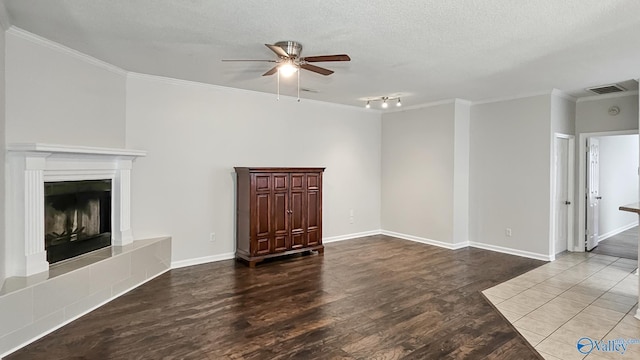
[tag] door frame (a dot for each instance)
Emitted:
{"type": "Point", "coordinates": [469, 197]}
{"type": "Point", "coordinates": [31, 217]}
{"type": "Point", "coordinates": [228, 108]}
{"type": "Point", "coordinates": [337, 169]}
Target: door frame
{"type": "Point", "coordinates": [570, 191]}
{"type": "Point", "coordinates": [579, 243]}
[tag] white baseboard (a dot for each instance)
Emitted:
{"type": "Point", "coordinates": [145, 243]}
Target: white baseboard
{"type": "Point", "coordinates": [229, 256]}
{"type": "Point", "coordinates": [201, 260]}
{"type": "Point", "coordinates": [617, 231]}
{"type": "Point", "coordinates": [442, 244]}
{"type": "Point", "coordinates": [527, 254]}
{"type": "Point", "coordinates": [450, 246]}
{"type": "Point", "coordinates": [350, 236]}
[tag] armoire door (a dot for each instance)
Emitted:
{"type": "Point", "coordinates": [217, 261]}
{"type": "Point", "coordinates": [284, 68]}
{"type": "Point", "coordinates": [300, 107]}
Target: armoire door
{"type": "Point", "coordinates": [262, 206]}
{"type": "Point", "coordinates": [314, 209]}
{"type": "Point", "coordinates": [281, 236]}
{"type": "Point", "coordinates": [297, 213]}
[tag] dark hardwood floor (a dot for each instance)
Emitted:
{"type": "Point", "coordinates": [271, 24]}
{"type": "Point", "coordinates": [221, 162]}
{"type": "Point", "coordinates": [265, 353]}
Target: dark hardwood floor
{"type": "Point", "coordinates": [371, 298]}
{"type": "Point", "coordinates": [624, 245]}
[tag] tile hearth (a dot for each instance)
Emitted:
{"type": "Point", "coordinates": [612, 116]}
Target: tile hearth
{"type": "Point", "coordinates": [578, 295]}
{"type": "Point", "coordinates": [31, 307]}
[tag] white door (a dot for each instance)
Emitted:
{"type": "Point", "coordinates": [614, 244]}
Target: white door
{"type": "Point", "coordinates": [593, 192]}
{"type": "Point", "coordinates": [562, 197]}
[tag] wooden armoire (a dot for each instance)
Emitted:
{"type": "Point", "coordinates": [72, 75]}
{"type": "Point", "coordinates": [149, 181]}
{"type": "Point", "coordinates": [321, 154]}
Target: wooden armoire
{"type": "Point", "coordinates": [279, 212]}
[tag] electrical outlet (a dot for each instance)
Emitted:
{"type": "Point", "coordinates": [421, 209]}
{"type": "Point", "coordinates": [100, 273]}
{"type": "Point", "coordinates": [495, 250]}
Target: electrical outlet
{"type": "Point", "coordinates": [507, 231]}
{"type": "Point", "coordinates": [212, 237]}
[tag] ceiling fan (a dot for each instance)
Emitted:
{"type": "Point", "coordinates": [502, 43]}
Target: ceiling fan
{"type": "Point", "coordinates": [289, 59]}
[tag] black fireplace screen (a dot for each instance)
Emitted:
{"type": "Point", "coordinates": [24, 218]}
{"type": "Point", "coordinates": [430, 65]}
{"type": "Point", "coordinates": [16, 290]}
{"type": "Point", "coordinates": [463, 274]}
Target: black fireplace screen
{"type": "Point", "coordinates": [77, 217]}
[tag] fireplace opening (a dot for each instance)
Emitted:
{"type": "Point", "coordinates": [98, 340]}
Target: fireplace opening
{"type": "Point", "coordinates": [77, 218]}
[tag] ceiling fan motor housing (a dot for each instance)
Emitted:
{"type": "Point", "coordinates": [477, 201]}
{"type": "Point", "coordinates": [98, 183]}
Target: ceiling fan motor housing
{"type": "Point", "coordinates": [290, 47]}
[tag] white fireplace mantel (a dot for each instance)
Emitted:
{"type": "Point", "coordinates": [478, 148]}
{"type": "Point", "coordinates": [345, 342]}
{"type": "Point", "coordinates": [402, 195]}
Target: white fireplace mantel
{"type": "Point", "coordinates": [30, 166]}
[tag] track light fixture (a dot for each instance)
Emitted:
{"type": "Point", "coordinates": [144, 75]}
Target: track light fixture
{"type": "Point", "coordinates": [385, 101]}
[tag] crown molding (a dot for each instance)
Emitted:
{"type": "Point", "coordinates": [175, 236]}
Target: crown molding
{"type": "Point", "coordinates": [563, 94]}
{"type": "Point", "coordinates": [419, 106]}
{"type": "Point", "coordinates": [463, 102]}
{"type": "Point", "coordinates": [39, 40]}
{"type": "Point", "coordinates": [608, 96]}
{"type": "Point", "coordinates": [181, 82]}
{"type": "Point", "coordinates": [514, 97]}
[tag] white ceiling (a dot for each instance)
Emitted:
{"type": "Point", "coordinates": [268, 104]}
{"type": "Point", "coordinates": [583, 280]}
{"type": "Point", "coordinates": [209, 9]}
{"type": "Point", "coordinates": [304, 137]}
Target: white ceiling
{"type": "Point", "coordinates": [423, 50]}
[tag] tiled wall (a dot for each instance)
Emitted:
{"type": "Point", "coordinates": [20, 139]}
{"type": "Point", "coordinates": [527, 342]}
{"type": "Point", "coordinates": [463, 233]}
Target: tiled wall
{"type": "Point", "coordinates": [32, 307]}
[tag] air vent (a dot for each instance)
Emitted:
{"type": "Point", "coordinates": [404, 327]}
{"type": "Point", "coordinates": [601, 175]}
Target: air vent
{"type": "Point", "coordinates": [607, 89]}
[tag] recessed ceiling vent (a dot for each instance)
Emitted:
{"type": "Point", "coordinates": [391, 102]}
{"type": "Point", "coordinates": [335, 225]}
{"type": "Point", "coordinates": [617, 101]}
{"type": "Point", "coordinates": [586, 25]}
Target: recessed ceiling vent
{"type": "Point", "coordinates": [607, 89]}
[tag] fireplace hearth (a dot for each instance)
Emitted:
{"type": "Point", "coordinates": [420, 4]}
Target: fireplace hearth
{"type": "Point", "coordinates": [77, 218]}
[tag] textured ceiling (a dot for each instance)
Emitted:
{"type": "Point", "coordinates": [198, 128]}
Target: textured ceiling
{"type": "Point", "coordinates": [423, 50]}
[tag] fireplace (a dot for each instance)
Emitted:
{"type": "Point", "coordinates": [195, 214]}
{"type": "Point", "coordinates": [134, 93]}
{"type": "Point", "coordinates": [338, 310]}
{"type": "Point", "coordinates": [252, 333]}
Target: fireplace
{"type": "Point", "coordinates": [101, 211]}
{"type": "Point", "coordinates": [77, 218]}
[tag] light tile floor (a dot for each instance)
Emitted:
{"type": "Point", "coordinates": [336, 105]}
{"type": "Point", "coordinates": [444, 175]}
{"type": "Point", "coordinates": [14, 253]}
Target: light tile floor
{"type": "Point", "coordinates": [577, 295]}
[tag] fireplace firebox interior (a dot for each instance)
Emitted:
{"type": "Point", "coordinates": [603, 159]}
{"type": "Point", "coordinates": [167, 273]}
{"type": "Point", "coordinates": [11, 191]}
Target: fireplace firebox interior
{"type": "Point", "coordinates": [77, 218]}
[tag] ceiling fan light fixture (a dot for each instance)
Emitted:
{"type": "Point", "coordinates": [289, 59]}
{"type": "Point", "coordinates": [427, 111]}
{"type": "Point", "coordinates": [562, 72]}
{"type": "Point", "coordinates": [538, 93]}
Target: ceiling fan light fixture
{"type": "Point", "coordinates": [287, 69]}
{"type": "Point", "coordinates": [289, 61]}
{"type": "Point", "coordinates": [368, 105]}
{"type": "Point", "coordinates": [399, 103]}
{"type": "Point", "coordinates": [384, 103]}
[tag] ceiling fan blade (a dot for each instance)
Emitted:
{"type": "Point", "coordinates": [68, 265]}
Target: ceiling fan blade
{"type": "Point", "coordinates": [317, 69]}
{"type": "Point", "coordinates": [248, 60]}
{"type": "Point", "coordinates": [340, 57]}
{"type": "Point", "coordinates": [271, 71]}
{"type": "Point", "coordinates": [278, 50]}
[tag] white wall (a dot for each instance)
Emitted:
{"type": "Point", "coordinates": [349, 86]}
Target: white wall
{"type": "Point", "coordinates": [195, 134]}
{"type": "Point", "coordinates": [56, 95]}
{"type": "Point", "coordinates": [418, 172]}
{"type": "Point", "coordinates": [592, 115]}
{"type": "Point", "coordinates": [618, 182]}
{"type": "Point", "coordinates": [510, 149]}
{"type": "Point", "coordinates": [2, 150]}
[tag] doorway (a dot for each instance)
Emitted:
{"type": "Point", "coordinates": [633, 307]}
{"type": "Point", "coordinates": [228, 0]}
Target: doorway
{"type": "Point", "coordinates": [608, 179]}
{"type": "Point", "coordinates": [562, 197]}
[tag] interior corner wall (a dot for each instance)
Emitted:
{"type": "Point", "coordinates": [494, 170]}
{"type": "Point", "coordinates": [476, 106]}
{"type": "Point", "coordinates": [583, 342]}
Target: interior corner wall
{"type": "Point", "coordinates": [563, 115]}
{"type": "Point", "coordinates": [56, 95]}
{"type": "Point", "coordinates": [461, 172]}
{"type": "Point", "coordinates": [418, 172]}
{"type": "Point", "coordinates": [2, 157]}
{"type": "Point", "coordinates": [618, 182]}
{"type": "Point", "coordinates": [195, 134]}
{"type": "Point", "coordinates": [509, 175]}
